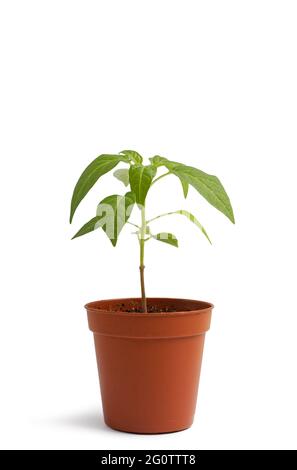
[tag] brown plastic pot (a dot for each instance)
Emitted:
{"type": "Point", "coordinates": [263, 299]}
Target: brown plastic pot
{"type": "Point", "coordinates": [149, 363]}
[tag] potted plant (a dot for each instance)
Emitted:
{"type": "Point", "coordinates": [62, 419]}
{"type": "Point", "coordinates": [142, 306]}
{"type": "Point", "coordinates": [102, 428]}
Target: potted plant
{"type": "Point", "coordinates": [149, 350]}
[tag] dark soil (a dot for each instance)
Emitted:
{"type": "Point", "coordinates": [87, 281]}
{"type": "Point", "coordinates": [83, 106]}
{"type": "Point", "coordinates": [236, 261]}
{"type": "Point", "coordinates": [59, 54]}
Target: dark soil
{"type": "Point", "coordinates": [150, 308]}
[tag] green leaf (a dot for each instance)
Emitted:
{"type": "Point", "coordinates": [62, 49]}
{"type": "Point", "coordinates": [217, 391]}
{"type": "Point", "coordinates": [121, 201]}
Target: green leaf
{"type": "Point", "coordinates": [208, 186]}
{"type": "Point", "coordinates": [166, 238]}
{"type": "Point", "coordinates": [98, 167]}
{"type": "Point", "coordinates": [161, 161]}
{"type": "Point", "coordinates": [132, 155]}
{"type": "Point", "coordinates": [189, 216]}
{"type": "Point", "coordinates": [112, 214]}
{"type": "Point", "coordinates": [185, 187]}
{"type": "Point", "coordinates": [93, 224]}
{"type": "Point", "coordinates": [141, 178]}
{"type": "Point", "coordinates": [115, 210]}
{"type": "Point", "coordinates": [158, 161]}
{"type": "Point", "coordinates": [122, 175]}
{"type": "Point", "coordinates": [195, 221]}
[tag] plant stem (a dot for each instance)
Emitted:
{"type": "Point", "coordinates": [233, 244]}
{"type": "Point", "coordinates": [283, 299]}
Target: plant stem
{"type": "Point", "coordinates": [162, 176]}
{"type": "Point", "coordinates": [141, 265]}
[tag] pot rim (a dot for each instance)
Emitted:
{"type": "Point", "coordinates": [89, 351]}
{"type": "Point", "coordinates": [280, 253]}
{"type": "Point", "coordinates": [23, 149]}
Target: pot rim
{"type": "Point", "coordinates": [200, 307]}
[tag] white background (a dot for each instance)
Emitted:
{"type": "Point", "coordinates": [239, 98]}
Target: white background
{"type": "Point", "coordinates": [210, 83]}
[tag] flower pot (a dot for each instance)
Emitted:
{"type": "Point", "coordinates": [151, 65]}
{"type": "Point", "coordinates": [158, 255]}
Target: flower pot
{"type": "Point", "coordinates": [149, 363]}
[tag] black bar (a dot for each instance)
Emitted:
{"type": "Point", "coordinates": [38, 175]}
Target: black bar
{"type": "Point", "coordinates": [147, 458]}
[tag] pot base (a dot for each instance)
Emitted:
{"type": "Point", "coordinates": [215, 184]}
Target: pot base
{"type": "Point", "coordinates": [131, 430]}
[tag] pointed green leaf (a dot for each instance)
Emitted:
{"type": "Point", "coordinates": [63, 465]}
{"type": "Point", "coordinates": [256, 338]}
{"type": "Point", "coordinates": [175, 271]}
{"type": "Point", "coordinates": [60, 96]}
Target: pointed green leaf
{"type": "Point", "coordinates": [185, 187]}
{"type": "Point", "coordinates": [93, 224]}
{"type": "Point", "coordinates": [112, 214]}
{"type": "Point", "coordinates": [115, 211]}
{"type": "Point", "coordinates": [141, 178]}
{"type": "Point", "coordinates": [91, 174]}
{"type": "Point", "coordinates": [132, 155]}
{"type": "Point", "coordinates": [166, 238]}
{"type": "Point", "coordinates": [122, 175]}
{"type": "Point", "coordinates": [189, 216]}
{"type": "Point", "coordinates": [193, 219]}
{"type": "Point", "coordinates": [208, 186]}
{"type": "Point", "coordinates": [161, 161]}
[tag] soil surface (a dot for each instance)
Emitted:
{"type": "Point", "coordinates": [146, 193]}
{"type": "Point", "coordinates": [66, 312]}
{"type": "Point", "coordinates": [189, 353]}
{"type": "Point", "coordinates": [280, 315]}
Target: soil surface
{"type": "Point", "coordinates": [150, 308]}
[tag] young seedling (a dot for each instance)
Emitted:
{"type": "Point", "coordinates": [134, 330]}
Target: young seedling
{"type": "Point", "coordinates": [114, 211]}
